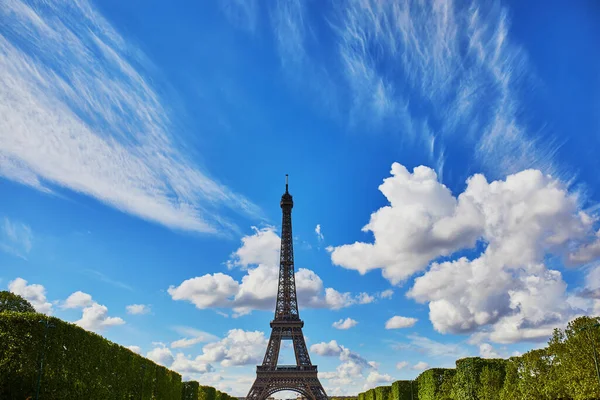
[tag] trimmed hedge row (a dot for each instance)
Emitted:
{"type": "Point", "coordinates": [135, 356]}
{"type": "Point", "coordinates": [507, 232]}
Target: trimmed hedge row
{"type": "Point", "coordinates": [78, 364]}
{"type": "Point", "coordinates": [473, 379]}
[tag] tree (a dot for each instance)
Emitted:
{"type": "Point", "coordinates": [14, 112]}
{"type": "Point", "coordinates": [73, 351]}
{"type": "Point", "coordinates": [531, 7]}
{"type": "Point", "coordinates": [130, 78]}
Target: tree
{"type": "Point", "coordinates": [13, 302]}
{"type": "Point", "coordinates": [575, 351]}
{"type": "Point", "coordinates": [491, 380]}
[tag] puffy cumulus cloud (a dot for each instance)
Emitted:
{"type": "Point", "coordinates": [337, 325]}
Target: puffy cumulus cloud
{"type": "Point", "coordinates": [591, 288]}
{"type": "Point", "coordinates": [78, 299]}
{"type": "Point", "coordinates": [137, 309]}
{"type": "Point", "coordinates": [422, 222]}
{"type": "Point", "coordinates": [188, 366]}
{"type": "Point", "coordinates": [375, 378]}
{"type": "Point", "coordinates": [420, 366]}
{"type": "Point", "coordinates": [331, 348]}
{"type": "Point", "coordinates": [351, 369]}
{"type": "Point", "coordinates": [161, 355]}
{"type": "Point", "coordinates": [386, 294]}
{"type": "Point", "coordinates": [95, 316]}
{"type": "Point", "coordinates": [588, 252]}
{"type": "Point", "coordinates": [486, 350]}
{"type": "Point", "coordinates": [239, 347]}
{"type": "Point", "coordinates": [259, 256]}
{"type": "Point", "coordinates": [398, 322]}
{"type": "Point", "coordinates": [210, 290]}
{"type": "Point", "coordinates": [34, 293]}
{"type": "Point", "coordinates": [506, 290]}
{"type": "Point", "coordinates": [345, 323]}
{"type": "Point", "coordinates": [260, 248]}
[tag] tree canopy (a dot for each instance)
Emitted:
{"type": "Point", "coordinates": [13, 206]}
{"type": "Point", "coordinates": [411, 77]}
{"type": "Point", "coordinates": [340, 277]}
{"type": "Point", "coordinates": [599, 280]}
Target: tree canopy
{"type": "Point", "coordinates": [13, 302]}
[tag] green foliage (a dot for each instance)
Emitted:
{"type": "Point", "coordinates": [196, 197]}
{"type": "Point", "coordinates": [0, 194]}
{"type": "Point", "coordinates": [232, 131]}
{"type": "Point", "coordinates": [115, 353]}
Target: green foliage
{"type": "Point", "coordinates": [190, 390]}
{"type": "Point", "coordinates": [382, 392]}
{"type": "Point", "coordinates": [491, 381]}
{"type": "Point", "coordinates": [404, 390]}
{"type": "Point", "coordinates": [573, 357]}
{"type": "Point", "coordinates": [361, 396]}
{"type": "Point", "coordinates": [478, 379]}
{"type": "Point", "coordinates": [13, 302]}
{"type": "Point", "coordinates": [207, 393]}
{"type": "Point", "coordinates": [510, 388]}
{"type": "Point", "coordinates": [436, 384]}
{"type": "Point", "coordinates": [370, 395]}
{"type": "Point", "coordinates": [78, 364]}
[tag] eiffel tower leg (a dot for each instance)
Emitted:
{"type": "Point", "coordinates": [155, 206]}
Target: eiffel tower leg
{"type": "Point", "coordinates": [272, 354]}
{"type": "Point", "coordinates": [300, 350]}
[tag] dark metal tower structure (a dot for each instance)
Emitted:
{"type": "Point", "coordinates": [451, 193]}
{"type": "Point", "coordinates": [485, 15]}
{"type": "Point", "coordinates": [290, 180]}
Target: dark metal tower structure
{"type": "Point", "coordinates": [286, 325]}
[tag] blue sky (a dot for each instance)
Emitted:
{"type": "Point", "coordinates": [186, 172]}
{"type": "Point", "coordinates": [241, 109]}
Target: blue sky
{"type": "Point", "coordinates": [445, 150]}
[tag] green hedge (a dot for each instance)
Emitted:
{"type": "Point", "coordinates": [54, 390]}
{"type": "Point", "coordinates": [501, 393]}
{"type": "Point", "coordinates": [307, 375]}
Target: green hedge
{"type": "Point", "coordinates": [382, 392]}
{"type": "Point", "coordinates": [78, 364]}
{"type": "Point", "coordinates": [370, 395]}
{"type": "Point", "coordinates": [404, 390]}
{"type": "Point", "coordinates": [190, 390]}
{"type": "Point", "coordinates": [361, 396]}
{"type": "Point", "coordinates": [436, 384]}
{"type": "Point", "coordinates": [478, 379]}
{"type": "Point", "coordinates": [207, 393]}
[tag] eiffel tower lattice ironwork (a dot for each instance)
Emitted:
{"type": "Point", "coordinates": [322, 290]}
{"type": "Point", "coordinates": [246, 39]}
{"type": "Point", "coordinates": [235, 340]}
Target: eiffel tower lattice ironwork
{"type": "Point", "coordinates": [286, 325]}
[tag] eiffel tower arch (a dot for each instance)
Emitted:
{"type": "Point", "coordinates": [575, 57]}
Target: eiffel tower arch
{"type": "Point", "coordinates": [286, 325]}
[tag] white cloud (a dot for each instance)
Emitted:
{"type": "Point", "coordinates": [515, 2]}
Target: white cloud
{"type": "Point", "coordinates": [402, 365]}
{"type": "Point", "coordinates": [352, 367]}
{"type": "Point", "coordinates": [588, 252]}
{"type": "Point", "coordinates": [258, 288]}
{"type": "Point", "coordinates": [239, 347]}
{"type": "Point", "coordinates": [260, 248]}
{"type": "Point", "coordinates": [326, 349]}
{"type": "Point", "coordinates": [486, 350]}
{"type": "Point", "coordinates": [345, 324]}
{"type": "Point", "coordinates": [137, 309]}
{"type": "Point", "coordinates": [506, 290]}
{"type": "Point", "coordinates": [161, 356]}
{"type": "Point", "coordinates": [76, 111]}
{"type": "Point", "coordinates": [420, 366]}
{"type": "Point", "coordinates": [135, 349]}
{"type": "Point", "coordinates": [386, 294]}
{"type": "Point", "coordinates": [422, 222]}
{"type": "Point", "coordinates": [320, 236]}
{"type": "Point", "coordinates": [198, 337]}
{"type": "Point", "coordinates": [78, 299]}
{"type": "Point", "coordinates": [375, 378]}
{"type": "Point", "coordinates": [206, 291]}
{"type": "Point", "coordinates": [365, 298]}
{"type": "Point", "coordinates": [16, 238]}
{"type": "Point", "coordinates": [94, 316]}
{"type": "Point", "coordinates": [34, 293]}
{"type": "Point", "coordinates": [398, 322]}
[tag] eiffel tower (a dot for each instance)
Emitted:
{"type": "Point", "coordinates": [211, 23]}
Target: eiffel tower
{"type": "Point", "coordinates": [286, 325]}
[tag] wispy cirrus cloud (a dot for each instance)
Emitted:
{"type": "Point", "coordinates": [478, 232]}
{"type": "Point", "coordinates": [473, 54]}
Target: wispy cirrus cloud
{"type": "Point", "coordinates": [16, 238]}
{"type": "Point", "coordinates": [77, 112]}
{"type": "Point", "coordinates": [432, 73]}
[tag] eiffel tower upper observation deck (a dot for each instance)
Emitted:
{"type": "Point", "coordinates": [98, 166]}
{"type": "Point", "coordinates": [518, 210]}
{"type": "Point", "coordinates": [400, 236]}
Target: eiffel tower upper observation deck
{"type": "Point", "coordinates": [286, 325]}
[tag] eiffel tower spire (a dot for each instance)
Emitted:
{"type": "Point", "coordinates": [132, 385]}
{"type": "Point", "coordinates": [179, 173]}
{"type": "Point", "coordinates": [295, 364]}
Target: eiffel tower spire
{"type": "Point", "coordinates": [286, 325]}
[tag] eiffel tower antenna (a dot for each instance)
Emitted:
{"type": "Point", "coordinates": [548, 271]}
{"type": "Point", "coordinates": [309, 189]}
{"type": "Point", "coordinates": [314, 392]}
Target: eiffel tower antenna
{"type": "Point", "coordinates": [286, 325]}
